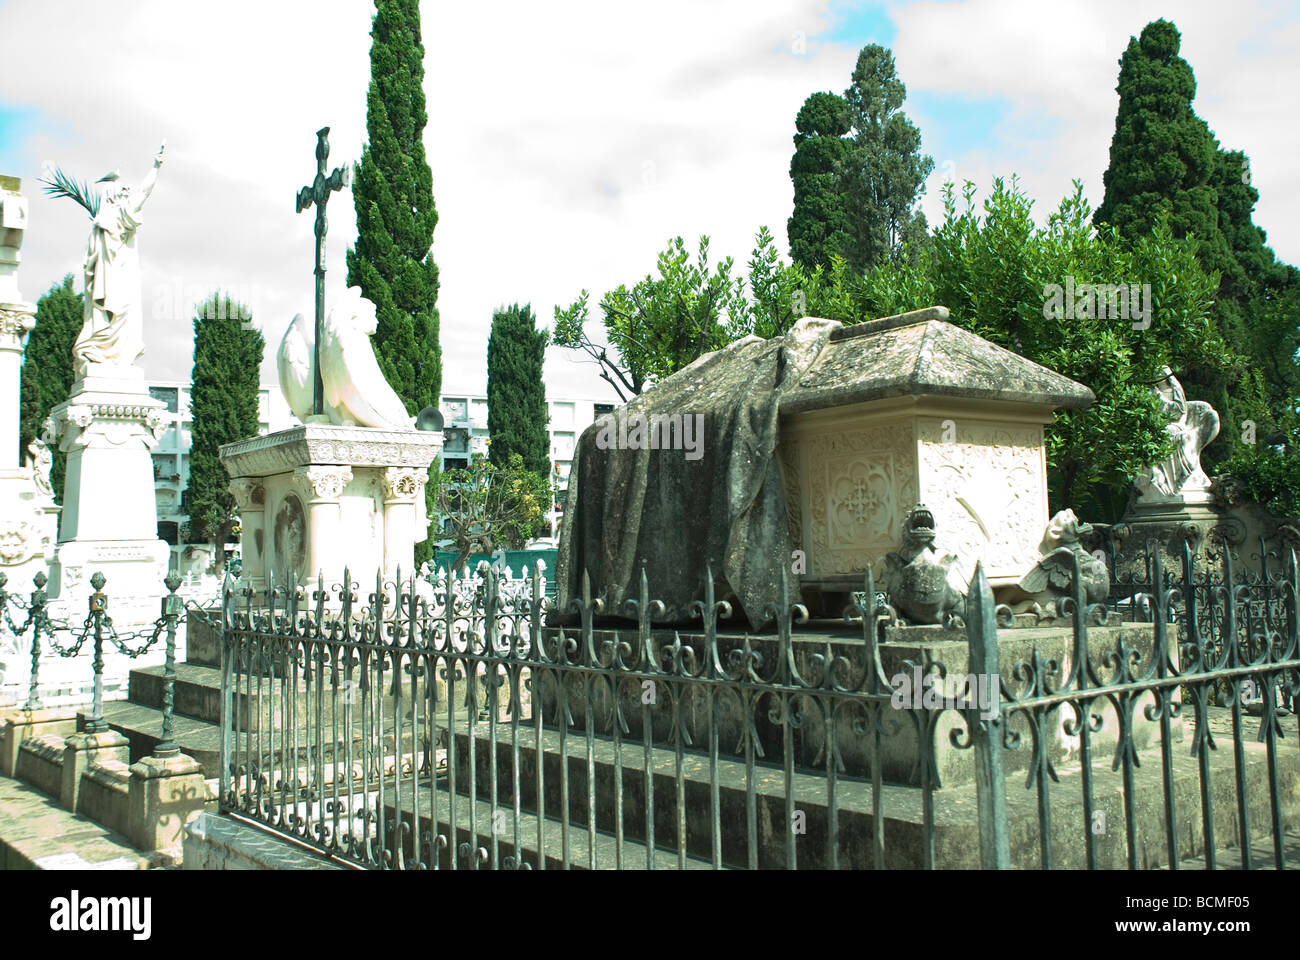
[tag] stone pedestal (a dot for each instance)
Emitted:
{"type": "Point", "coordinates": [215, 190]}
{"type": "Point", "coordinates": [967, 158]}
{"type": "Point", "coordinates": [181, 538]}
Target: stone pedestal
{"type": "Point", "coordinates": [108, 426]}
{"type": "Point", "coordinates": [165, 794]}
{"type": "Point", "coordinates": [316, 498]}
{"type": "Point", "coordinates": [82, 749]}
{"type": "Point", "coordinates": [23, 725]}
{"type": "Point", "coordinates": [28, 516]}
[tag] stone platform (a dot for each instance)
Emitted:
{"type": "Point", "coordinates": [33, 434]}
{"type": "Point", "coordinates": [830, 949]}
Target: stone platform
{"type": "Point", "coordinates": [905, 650]}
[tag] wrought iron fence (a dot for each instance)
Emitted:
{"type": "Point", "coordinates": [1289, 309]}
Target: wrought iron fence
{"type": "Point", "coordinates": [418, 725]}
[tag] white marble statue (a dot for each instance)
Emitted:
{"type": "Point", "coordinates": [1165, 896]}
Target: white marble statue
{"type": "Point", "coordinates": [40, 461]}
{"type": "Point", "coordinates": [113, 328]}
{"type": "Point", "coordinates": [355, 390]}
{"type": "Point", "coordinates": [1192, 424]}
{"type": "Point", "coordinates": [293, 363]}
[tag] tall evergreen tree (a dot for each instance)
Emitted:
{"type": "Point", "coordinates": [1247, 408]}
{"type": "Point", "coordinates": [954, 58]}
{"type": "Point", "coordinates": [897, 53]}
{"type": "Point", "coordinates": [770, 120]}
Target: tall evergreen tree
{"type": "Point", "coordinates": [516, 390]}
{"type": "Point", "coordinates": [1165, 160]}
{"type": "Point", "coordinates": [393, 194]}
{"type": "Point", "coordinates": [223, 406]}
{"type": "Point", "coordinates": [888, 170]}
{"type": "Point", "coordinates": [48, 372]}
{"type": "Point", "coordinates": [819, 227]}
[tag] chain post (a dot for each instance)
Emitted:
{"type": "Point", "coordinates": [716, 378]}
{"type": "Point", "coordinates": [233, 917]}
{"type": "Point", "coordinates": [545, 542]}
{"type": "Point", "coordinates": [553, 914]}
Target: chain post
{"type": "Point", "coordinates": [171, 614]}
{"type": "Point", "coordinates": [98, 608]}
{"type": "Point", "coordinates": [36, 617]}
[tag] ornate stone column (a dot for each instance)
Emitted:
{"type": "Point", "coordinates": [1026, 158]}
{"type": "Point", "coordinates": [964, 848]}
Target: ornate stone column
{"type": "Point", "coordinates": [403, 488]}
{"type": "Point", "coordinates": [16, 319]}
{"type": "Point", "coordinates": [322, 487]}
{"type": "Point", "coordinates": [250, 499]}
{"type": "Point", "coordinates": [16, 316]}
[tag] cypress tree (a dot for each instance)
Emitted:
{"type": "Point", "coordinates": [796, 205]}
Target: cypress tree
{"type": "Point", "coordinates": [223, 407]}
{"type": "Point", "coordinates": [819, 227]}
{"type": "Point", "coordinates": [47, 373]}
{"type": "Point", "coordinates": [393, 194]}
{"type": "Point", "coordinates": [1164, 158]}
{"type": "Point", "coordinates": [516, 391]}
{"type": "Point", "coordinates": [1162, 153]}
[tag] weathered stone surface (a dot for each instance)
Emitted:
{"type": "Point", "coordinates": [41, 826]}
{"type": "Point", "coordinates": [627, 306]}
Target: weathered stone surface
{"type": "Point", "coordinates": [214, 842]}
{"type": "Point", "coordinates": [921, 353]}
{"type": "Point", "coordinates": [165, 794]}
{"type": "Point", "coordinates": [895, 411]}
{"type": "Point", "coordinates": [25, 725]}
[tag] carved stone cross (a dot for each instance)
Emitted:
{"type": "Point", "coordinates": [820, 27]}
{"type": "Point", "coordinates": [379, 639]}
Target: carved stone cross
{"type": "Point", "coordinates": [318, 194]}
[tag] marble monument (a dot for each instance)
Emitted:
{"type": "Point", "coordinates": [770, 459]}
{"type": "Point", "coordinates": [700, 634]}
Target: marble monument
{"type": "Point", "coordinates": [347, 487]}
{"type": "Point", "coordinates": [28, 514]}
{"type": "Point", "coordinates": [110, 423]}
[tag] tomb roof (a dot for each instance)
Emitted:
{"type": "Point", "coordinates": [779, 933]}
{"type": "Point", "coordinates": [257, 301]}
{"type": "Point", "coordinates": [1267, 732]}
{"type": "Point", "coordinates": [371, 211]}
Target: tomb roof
{"type": "Point", "coordinates": [921, 353]}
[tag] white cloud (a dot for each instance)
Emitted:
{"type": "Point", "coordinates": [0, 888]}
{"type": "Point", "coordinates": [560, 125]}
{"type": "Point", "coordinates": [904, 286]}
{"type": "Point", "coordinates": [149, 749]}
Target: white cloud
{"type": "Point", "coordinates": [567, 142]}
{"type": "Point", "coordinates": [1050, 62]}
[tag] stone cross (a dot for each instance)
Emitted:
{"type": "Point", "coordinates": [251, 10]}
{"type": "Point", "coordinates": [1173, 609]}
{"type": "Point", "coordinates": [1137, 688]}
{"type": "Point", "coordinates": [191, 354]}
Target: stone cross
{"type": "Point", "coordinates": [318, 194]}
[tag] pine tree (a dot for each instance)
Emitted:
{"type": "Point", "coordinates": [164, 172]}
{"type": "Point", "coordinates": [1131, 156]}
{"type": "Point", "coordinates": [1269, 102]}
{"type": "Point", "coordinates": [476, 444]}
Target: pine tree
{"type": "Point", "coordinates": [819, 227]}
{"type": "Point", "coordinates": [393, 194]}
{"type": "Point", "coordinates": [888, 170]}
{"type": "Point", "coordinates": [516, 390]}
{"type": "Point", "coordinates": [47, 373]}
{"type": "Point", "coordinates": [223, 406]}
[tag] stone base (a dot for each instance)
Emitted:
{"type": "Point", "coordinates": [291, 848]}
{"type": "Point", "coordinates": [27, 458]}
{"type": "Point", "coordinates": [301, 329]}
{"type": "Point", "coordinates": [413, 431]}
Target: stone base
{"type": "Point", "coordinates": [317, 498]}
{"type": "Point", "coordinates": [213, 842]}
{"type": "Point", "coordinates": [82, 749]}
{"type": "Point", "coordinates": [900, 746]}
{"type": "Point", "coordinates": [22, 725]}
{"type": "Point", "coordinates": [29, 527]}
{"type": "Point", "coordinates": [908, 648]}
{"type": "Point", "coordinates": [133, 571]}
{"type": "Point", "coordinates": [166, 793]}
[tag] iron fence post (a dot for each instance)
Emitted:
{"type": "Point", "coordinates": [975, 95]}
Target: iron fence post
{"type": "Point", "coordinates": [227, 696]}
{"type": "Point", "coordinates": [171, 608]}
{"type": "Point", "coordinates": [36, 617]}
{"type": "Point", "coordinates": [986, 734]}
{"type": "Point", "coordinates": [98, 604]}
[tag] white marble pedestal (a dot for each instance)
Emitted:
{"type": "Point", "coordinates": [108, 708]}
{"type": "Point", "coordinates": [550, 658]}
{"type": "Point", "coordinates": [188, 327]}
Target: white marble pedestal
{"type": "Point", "coordinates": [108, 426]}
{"type": "Point", "coordinates": [317, 498]}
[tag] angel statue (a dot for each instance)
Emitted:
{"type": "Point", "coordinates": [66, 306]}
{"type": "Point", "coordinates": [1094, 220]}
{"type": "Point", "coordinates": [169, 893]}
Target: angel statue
{"type": "Point", "coordinates": [1192, 424]}
{"type": "Point", "coordinates": [113, 327]}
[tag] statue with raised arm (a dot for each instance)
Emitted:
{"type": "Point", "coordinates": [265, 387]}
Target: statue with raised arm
{"type": "Point", "coordinates": [1192, 424]}
{"type": "Point", "coordinates": [113, 328]}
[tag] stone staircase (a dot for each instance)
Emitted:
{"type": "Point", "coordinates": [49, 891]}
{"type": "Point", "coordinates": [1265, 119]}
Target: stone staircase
{"type": "Point", "coordinates": [956, 838]}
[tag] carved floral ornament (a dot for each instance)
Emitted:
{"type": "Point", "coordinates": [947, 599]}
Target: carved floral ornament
{"type": "Point", "coordinates": [19, 541]}
{"type": "Point", "coordinates": [249, 493]}
{"type": "Point", "coordinates": [322, 483]}
{"type": "Point", "coordinates": [16, 319]}
{"type": "Point", "coordinates": [114, 418]}
{"type": "Point", "coordinates": [403, 484]}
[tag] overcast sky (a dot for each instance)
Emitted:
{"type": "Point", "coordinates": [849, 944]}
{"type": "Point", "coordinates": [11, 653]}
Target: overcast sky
{"type": "Point", "coordinates": [570, 140]}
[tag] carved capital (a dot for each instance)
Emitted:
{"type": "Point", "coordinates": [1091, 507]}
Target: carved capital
{"type": "Point", "coordinates": [403, 483]}
{"type": "Point", "coordinates": [249, 494]}
{"type": "Point", "coordinates": [322, 483]}
{"type": "Point", "coordinates": [16, 319]}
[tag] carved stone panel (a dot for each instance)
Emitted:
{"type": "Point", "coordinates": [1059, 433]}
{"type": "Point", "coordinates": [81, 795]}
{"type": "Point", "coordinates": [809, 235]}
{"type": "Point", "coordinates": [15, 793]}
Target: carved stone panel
{"type": "Point", "coordinates": [985, 482]}
{"type": "Point", "coordinates": [861, 483]}
{"type": "Point", "coordinates": [290, 541]}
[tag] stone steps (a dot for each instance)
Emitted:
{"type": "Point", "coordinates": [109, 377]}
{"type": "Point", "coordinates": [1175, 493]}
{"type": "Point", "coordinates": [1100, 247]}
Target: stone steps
{"type": "Point", "coordinates": [37, 834]}
{"type": "Point", "coordinates": [142, 726]}
{"type": "Point", "coordinates": [956, 841]}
